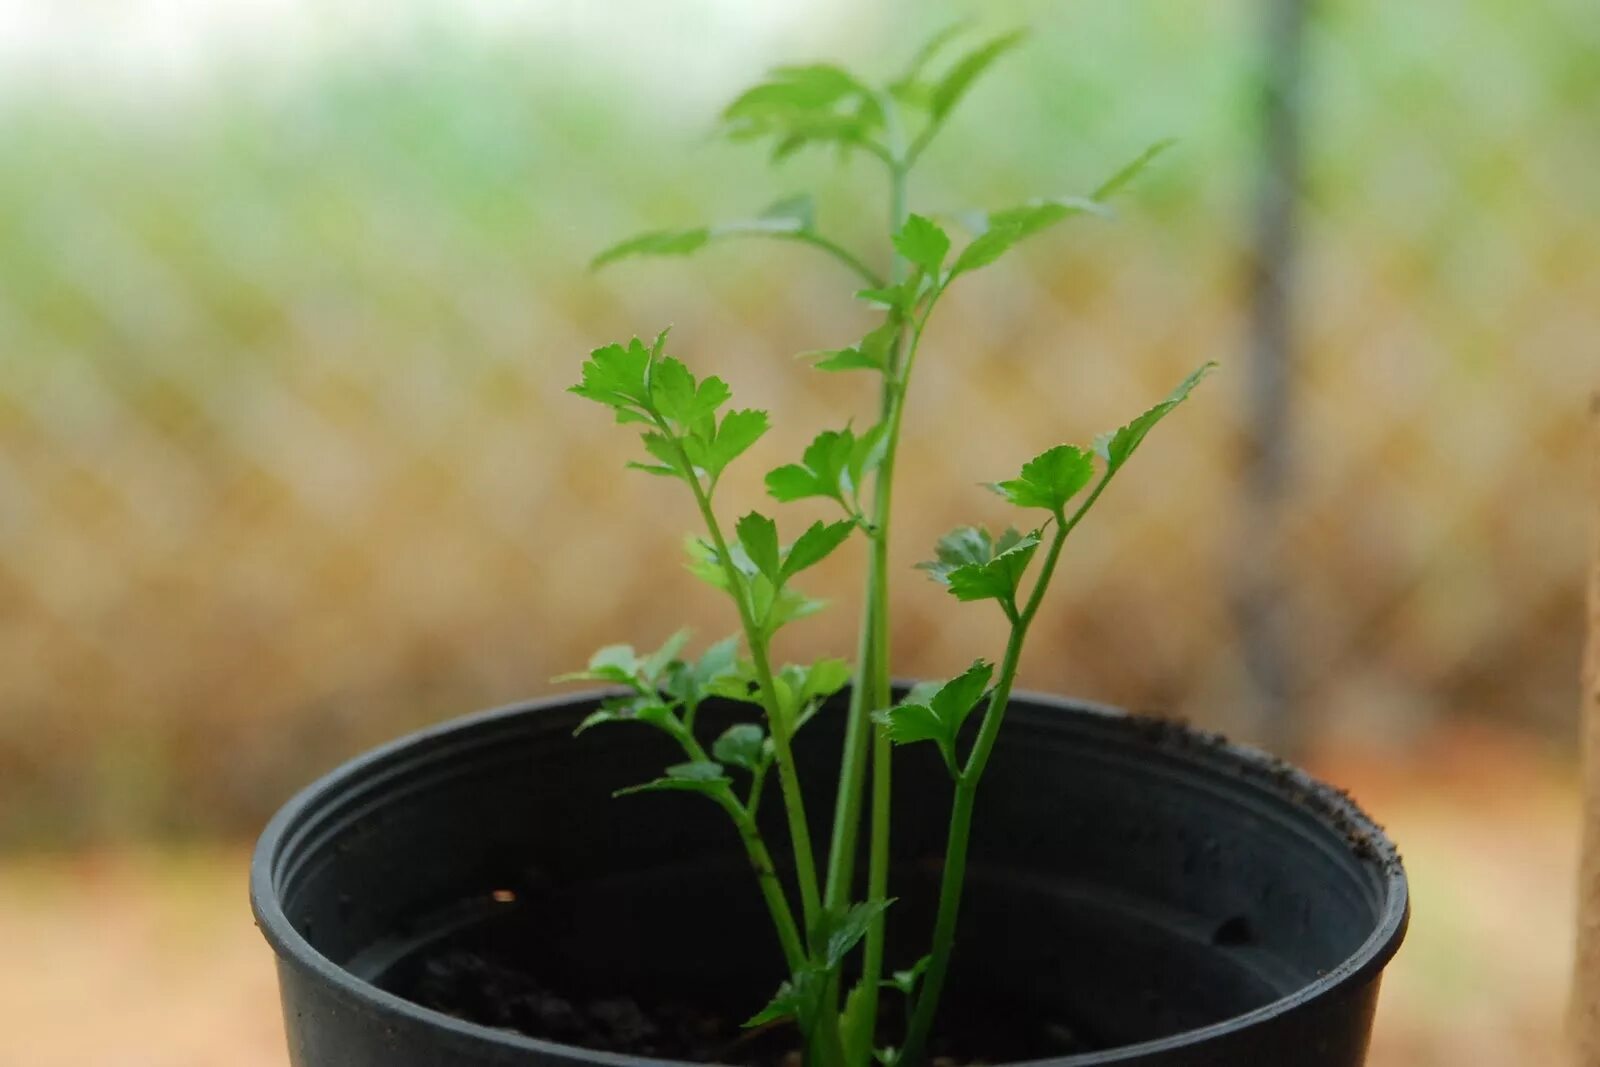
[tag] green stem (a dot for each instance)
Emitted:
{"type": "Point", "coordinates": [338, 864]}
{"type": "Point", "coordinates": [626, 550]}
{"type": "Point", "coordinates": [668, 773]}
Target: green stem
{"type": "Point", "coordinates": [755, 846]}
{"type": "Point", "coordinates": [816, 240]}
{"type": "Point", "coordinates": [882, 754]}
{"type": "Point", "coordinates": [872, 661]}
{"type": "Point", "coordinates": [852, 764]}
{"type": "Point", "coordinates": [758, 778]}
{"type": "Point", "coordinates": [788, 776]}
{"type": "Point", "coordinates": [955, 862]}
{"type": "Point", "coordinates": [794, 950]}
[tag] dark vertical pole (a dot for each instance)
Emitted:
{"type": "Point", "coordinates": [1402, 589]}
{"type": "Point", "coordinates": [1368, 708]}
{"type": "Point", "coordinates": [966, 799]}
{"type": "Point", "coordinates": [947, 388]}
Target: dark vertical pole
{"type": "Point", "coordinates": [1583, 1005]}
{"type": "Point", "coordinates": [1265, 628]}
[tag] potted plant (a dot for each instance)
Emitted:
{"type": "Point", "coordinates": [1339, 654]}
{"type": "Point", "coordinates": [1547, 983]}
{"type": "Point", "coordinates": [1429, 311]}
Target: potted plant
{"type": "Point", "coordinates": [821, 876]}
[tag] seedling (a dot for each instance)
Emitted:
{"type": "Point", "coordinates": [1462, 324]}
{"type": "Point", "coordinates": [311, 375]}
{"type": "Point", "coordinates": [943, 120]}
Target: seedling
{"type": "Point", "coordinates": [691, 434]}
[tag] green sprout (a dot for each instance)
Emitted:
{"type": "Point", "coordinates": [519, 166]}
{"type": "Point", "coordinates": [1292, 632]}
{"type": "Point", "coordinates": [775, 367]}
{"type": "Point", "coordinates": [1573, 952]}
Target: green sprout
{"type": "Point", "coordinates": [690, 434]}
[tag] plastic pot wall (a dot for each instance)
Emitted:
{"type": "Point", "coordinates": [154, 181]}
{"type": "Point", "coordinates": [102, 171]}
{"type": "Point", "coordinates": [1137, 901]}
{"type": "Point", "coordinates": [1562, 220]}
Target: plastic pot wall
{"type": "Point", "coordinates": [1178, 900]}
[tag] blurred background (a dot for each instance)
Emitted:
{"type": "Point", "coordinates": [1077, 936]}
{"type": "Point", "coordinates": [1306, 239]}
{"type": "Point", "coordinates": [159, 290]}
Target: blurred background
{"type": "Point", "coordinates": [290, 293]}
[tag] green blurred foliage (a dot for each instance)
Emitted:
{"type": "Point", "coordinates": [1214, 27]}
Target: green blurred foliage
{"type": "Point", "coordinates": [285, 465]}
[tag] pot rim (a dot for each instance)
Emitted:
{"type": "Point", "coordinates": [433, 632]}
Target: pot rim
{"type": "Point", "coordinates": [1272, 773]}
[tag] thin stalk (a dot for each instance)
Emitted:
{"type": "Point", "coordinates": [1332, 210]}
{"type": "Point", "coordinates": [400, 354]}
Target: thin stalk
{"type": "Point", "coordinates": [758, 778]}
{"type": "Point", "coordinates": [872, 661]}
{"type": "Point", "coordinates": [788, 776]}
{"type": "Point", "coordinates": [989, 730]}
{"type": "Point", "coordinates": [794, 950]}
{"type": "Point", "coordinates": [882, 754]}
{"type": "Point", "coordinates": [744, 820]}
{"type": "Point", "coordinates": [966, 791]}
{"type": "Point", "coordinates": [837, 251]}
{"type": "Point", "coordinates": [852, 763]}
{"type": "Point", "coordinates": [788, 781]}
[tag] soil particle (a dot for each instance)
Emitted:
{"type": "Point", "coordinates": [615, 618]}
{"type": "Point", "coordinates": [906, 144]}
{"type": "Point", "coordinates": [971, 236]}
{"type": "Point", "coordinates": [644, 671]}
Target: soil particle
{"type": "Point", "coordinates": [477, 988]}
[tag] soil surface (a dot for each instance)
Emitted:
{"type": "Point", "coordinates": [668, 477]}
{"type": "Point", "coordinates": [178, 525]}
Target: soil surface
{"type": "Point", "coordinates": [474, 985]}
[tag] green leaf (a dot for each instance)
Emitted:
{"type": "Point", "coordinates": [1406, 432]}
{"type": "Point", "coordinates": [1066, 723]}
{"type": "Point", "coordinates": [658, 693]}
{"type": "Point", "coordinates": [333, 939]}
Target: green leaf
{"type": "Point", "coordinates": [737, 432]}
{"type": "Point", "coordinates": [906, 980]}
{"type": "Point", "coordinates": [718, 672]}
{"type": "Point", "coordinates": [939, 719]}
{"type": "Point", "coordinates": [840, 359]}
{"type": "Point", "coordinates": [800, 207]}
{"type": "Point", "coordinates": [998, 231]}
{"type": "Point", "coordinates": [615, 374]}
{"type": "Point", "coordinates": [717, 660]}
{"type": "Point", "coordinates": [655, 468]}
{"type": "Point", "coordinates": [802, 688]}
{"type": "Point", "coordinates": [824, 470]}
{"type": "Point", "coordinates": [663, 448]}
{"type": "Point", "coordinates": [620, 657]}
{"type": "Point", "coordinates": [702, 777]}
{"type": "Point", "coordinates": [909, 723]}
{"type": "Point", "coordinates": [910, 78]}
{"type": "Point", "coordinates": [697, 771]}
{"type": "Point", "coordinates": [759, 537]}
{"type": "Point", "coordinates": [793, 214]}
{"type": "Point", "coordinates": [872, 353]}
{"type": "Point", "coordinates": [867, 454]}
{"type": "Point", "coordinates": [1050, 479]}
{"type": "Point", "coordinates": [1122, 178]}
{"type": "Point", "coordinates": [829, 455]}
{"type": "Point", "coordinates": [886, 296]}
{"type": "Point", "coordinates": [741, 745]}
{"type": "Point", "coordinates": [964, 545]}
{"type": "Point", "coordinates": [949, 90]}
{"type": "Point", "coordinates": [1119, 445]}
{"type": "Point", "coordinates": [620, 665]}
{"type": "Point", "coordinates": [613, 663]}
{"type": "Point", "coordinates": [793, 482]}
{"type": "Point", "coordinates": [801, 87]}
{"type": "Point", "coordinates": [844, 932]}
{"type": "Point", "coordinates": [655, 243]}
{"type": "Point", "coordinates": [787, 605]}
{"type": "Point", "coordinates": [998, 579]}
{"type": "Point", "coordinates": [800, 105]}
{"type": "Point", "coordinates": [825, 678]}
{"type": "Point", "coordinates": [653, 667]}
{"type": "Point", "coordinates": [923, 243]}
{"type": "Point", "coordinates": [797, 998]}
{"type": "Point", "coordinates": [785, 1004]}
{"type": "Point", "coordinates": [678, 397]}
{"type": "Point", "coordinates": [976, 567]}
{"type": "Point", "coordinates": [703, 562]}
{"type": "Point", "coordinates": [956, 698]}
{"type": "Point", "coordinates": [692, 682]}
{"type": "Point", "coordinates": [740, 686]}
{"type": "Point", "coordinates": [815, 545]}
{"type": "Point", "coordinates": [772, 606]}
{"type": "Point", "coordinates": [1003, 229]}
{"type": "Point", "coordinates": [645, 709]}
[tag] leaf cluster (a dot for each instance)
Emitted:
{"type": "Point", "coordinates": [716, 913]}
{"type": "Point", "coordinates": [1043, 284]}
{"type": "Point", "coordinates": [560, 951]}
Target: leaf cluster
{"type": "Point", "coordinates": [974, 565]}
{"type": "Point", "coordinates": [934, 712]}
{"type": "Point", "coordinates": [685, 437]}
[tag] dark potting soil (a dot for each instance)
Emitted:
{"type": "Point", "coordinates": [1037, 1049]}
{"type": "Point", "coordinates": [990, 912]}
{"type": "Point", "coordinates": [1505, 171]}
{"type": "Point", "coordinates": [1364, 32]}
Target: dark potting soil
{"type": "Point", "coordinates": [473, 985]}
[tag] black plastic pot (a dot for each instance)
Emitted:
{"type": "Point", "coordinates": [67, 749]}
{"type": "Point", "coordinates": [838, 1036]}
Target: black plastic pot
{"type": "Point", "coordinates": [1164, 897]}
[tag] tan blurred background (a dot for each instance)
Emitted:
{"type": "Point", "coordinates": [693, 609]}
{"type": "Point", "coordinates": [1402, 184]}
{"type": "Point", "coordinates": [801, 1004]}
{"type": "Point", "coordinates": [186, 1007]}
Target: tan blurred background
{"type": "Point", "coordinates": [289, 296]}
